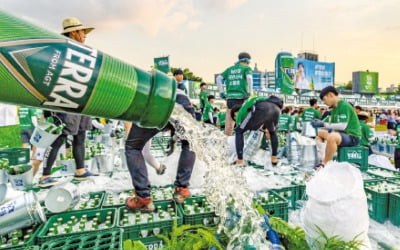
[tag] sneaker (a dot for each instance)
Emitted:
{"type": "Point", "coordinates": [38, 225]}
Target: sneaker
{"type": "Point", "coordinates": [47, 182]}
{"type": "Point", "coordinates": [85, 176]}
{"type": "Point", "coordinates": [275, 164]}
{"type": "Point", "coordinates": [161, 169]}
{"type": "Point", "coordinates": [181, 194]}
{"type": "Point", "coordinates": [140, 204]}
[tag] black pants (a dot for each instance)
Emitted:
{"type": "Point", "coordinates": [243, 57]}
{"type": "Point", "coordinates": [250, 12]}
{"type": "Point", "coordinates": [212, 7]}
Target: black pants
{"type": "Point", "coordinates": [397, 158]}
{"type": "Point", "coordinates": [78, 151]}
{"type": "Point", "coordinates": [137, 138]}
{"type": "Point", "coordinates": [263, 115]}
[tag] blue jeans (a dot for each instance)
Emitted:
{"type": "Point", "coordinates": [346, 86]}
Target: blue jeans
{"type": "Point", "coordinates": [135, 142]}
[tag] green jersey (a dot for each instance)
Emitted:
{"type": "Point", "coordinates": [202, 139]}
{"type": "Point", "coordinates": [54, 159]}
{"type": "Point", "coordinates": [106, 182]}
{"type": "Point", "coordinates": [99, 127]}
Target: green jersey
{"type": "Point", "coordinates": [366, 134]}
{"type": "Point", "coordinates": [25, 117]}
{"type": "Point", "coordinates": [236, 81]}
{"type": "Point", "coordinates": [208, 112]}
{"type": "Point", "coordinates": [221, 118]}
{"type": "Point", "coordinates": [311, 114]}
{"type": "Point", "coordinates": [285, 120]}
{"type": "Point", "coordinates": [296, 123]}
{"type": "Point", "coordinates": [203, 98]}
{"type": "Point", "coordinates": [344, 113]}
{"type": "Point", "coordinates": [246, 107]}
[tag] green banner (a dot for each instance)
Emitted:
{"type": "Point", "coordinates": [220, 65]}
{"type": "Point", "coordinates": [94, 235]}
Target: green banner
{"type": "Point", "coordinates": [369, 82]}
{"type": "Point", "coordinates": [162, 64]}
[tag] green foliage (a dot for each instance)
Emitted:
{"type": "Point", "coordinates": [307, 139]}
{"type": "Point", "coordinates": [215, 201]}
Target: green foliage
{"type": "Point", "coordinates": [195, 237]}
{"type": "Point", "coordinates": [133, 245]}
{"type": "Point", "coordinates": [292, 237]}
{"type": "Point", "coordinates": [349, 85]}
{"type": "Point", "coordinates": [335, 242]}
{"type": "Point", "coordinates": [10, 136]}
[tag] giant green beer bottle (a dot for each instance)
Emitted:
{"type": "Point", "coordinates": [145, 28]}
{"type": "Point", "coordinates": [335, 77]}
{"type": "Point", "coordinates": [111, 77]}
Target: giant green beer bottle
{"type": "Point", "coordinates": [42, 69]}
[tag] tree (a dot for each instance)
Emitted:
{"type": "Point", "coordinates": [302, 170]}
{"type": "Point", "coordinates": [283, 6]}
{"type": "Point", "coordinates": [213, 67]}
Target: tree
{"type": "Point", "coordinates": [188, 75]}
{"type": "Point", "coordinates": [349, 85]}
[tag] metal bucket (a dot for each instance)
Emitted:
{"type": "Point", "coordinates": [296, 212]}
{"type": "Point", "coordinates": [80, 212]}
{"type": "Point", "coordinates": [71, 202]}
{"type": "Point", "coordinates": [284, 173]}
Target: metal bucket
{"type": "Point", "coordinates": [21, 181]}
{"type": "Point", "coordinates": [293, 149]}
{"type": "Point", "coordinates": [69, 167]}
{"type": "Point", "coordinates": [308, 130]}
{"type": "Point", "coordinates": [42, 138]}
{"type": "Point", "coordinates": [3, 176]}
{"type": "Point", "coordinates": [309, 156]}
{"type": "Point", "coordinates": [89, 164]}
{"type": "Point", "coordinates": [105, 163]}
{"type": "Point", "coordinates": [62, 197]}
{"type": "Point", "coordinates": [21, 212]}
{"type": "Point", "coordinates": [3, 192]}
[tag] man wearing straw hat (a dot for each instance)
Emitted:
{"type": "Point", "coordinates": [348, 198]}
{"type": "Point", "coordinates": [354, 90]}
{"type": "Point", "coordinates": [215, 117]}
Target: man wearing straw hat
{"type": "Point", "coordinates": [75, 125]}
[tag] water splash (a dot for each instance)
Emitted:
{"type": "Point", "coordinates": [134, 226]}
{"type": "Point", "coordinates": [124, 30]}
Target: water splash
{"type": "Point", "coordinates": [225, 185]}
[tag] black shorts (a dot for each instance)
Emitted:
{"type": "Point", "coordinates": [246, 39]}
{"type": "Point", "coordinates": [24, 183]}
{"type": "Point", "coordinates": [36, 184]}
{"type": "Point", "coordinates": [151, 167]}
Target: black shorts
{"type": "Point", "coordinates": [232, 102]}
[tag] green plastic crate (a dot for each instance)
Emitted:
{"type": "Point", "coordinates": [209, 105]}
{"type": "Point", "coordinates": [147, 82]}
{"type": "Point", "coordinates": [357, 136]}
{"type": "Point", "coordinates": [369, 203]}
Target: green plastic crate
{"type": "Point", "coordinates": [15, 156]}
{"type": "Point", "coordinates": [290, 193]}
{"type": "Point", "coordinates": [157, 193]}
{"type": "Point", "coordinates": [152, 242]}
{"type": "Point", "coordinates": [394, 208]}
{"type": "Point", "coordinates": [30, 242]}
{"type": "Point", "coordinates": [147, 229]}
{"type": "Point", "coordinates": [78, 206]}
{"type": "Point", "coordinates": [378, 198]}
{"type": "Point", "coordinates": [274, 204]}
{"type": "Point", "coordinates": [109, 239]}
{"type": "Point", "coordinates": [383, 173]}
{"type": "Point", "coordinates": [203, 218]}
{"type": "Point", "coordinates": [358, 155]}
{"type": "Point", "coordinates": [42, 237]}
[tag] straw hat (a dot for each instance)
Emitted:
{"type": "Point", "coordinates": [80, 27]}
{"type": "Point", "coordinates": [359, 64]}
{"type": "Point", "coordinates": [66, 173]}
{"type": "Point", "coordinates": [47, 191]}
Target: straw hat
{"type": "Point", "coordinates": [363, 114]}
{"type": "Point", "coordinates": [72, 24]}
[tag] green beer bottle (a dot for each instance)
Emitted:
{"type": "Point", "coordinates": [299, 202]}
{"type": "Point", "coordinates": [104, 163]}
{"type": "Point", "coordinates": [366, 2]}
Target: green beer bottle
{"type": "Point", "coordinates": [49, 71]}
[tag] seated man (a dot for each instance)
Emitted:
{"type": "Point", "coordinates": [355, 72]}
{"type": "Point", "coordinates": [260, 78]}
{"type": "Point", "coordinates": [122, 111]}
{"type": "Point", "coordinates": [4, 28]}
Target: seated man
{"type": "Point", "coordinates": [342, 128]}
{"type": "Point", "coordinates": [257, 113]}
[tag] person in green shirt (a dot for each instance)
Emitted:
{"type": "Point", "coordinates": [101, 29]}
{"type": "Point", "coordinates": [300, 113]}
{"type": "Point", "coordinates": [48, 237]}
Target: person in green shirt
{"type": "Point", "coordinates": [366, 132]}
{"type": "Point", "coordinates": [208, 116]}
{"type": "Point", "coordinates": [239, 86]}
{"type": "Point", "coordinates": [296, 121]}
{"type": "Point", "coordinates": [258, 113]}
{"type": "Point", "coordinates": [311, 113]}
{"type": "Point", "coordinates": [203, 96]}
{"type": "Point", "coordinates": [221, 120]}
{"type": "Point", "coordinates": [285, 120]}
{"type": "Point", "coordinates": [342, 128]}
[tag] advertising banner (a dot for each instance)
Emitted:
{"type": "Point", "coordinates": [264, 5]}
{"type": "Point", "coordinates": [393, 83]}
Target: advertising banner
{"type": "Point", "coordinates": [162, 64]}
{"type": "Point", "coordinates": [313, 75]}
{"type": "Point", "coordinates": [284, 73]}
{"type": "Point", "coordinates": [369, 82]}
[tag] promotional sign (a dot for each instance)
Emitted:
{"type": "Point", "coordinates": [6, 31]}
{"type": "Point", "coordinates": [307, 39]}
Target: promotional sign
{"type": "Point", "coordinates": [284, 73]}
{"type": "Point", "coordinates": [42, 69]}
{"type": "Point", "coordinates": [368, 82]}
{"type": "Point", "coordinates": [313, 75]}
{"type": "Point", "coordinates": [162, 64]}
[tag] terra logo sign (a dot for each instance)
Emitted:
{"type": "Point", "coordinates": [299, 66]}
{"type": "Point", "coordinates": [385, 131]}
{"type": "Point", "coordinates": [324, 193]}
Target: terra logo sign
{"type": "Point", "coordinates": [163, 63]}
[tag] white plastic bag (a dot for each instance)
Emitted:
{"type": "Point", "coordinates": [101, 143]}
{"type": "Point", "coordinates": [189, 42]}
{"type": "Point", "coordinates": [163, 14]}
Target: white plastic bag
{"type": "Point", "coordinates": [380, 161]}
{"type": "Point", "coordinates": [337, 204]}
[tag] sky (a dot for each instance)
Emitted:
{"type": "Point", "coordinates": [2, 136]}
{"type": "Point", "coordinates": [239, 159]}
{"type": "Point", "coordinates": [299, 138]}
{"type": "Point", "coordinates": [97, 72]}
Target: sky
{"type": "Point", "coordinates": [206, 36]}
